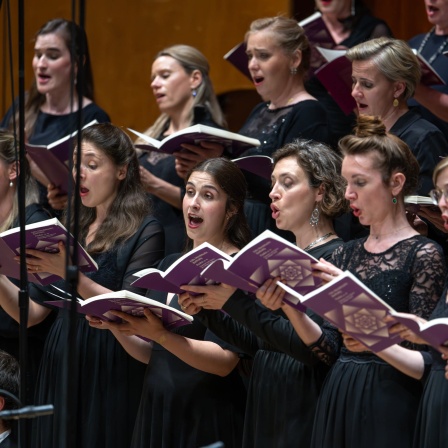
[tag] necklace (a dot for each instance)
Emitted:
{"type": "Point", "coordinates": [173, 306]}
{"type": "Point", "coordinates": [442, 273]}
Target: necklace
{"type": "Point", "coordinates": [318, 241]}
{"type": "Point", "coordinates": [439, 50]}
{"type": "Point", "coordinates": [388, 233]}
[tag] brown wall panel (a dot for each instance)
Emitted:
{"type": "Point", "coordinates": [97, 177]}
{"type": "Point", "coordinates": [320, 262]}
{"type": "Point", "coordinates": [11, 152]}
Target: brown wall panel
{"type": "Point", "coordinates": [124, 36]}
{"type": "Point", "coordinates": [405, 17]}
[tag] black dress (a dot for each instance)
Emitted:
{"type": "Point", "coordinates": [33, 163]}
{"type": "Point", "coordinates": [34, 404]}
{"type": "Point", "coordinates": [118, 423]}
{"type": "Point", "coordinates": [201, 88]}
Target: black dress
{"type": "Point", "coordinates": [107, 379]}
{"type": "Point", "coordinates": [274, 128]}
{"type": "Point", "coordinates": [285, 377]}
{"type": "Point", "coordinates": [9, 328]}
{"type": "Point", "coordinates": [427, 143]}
{"type": "Point", "coordinates": [185, 407]}
{"type": "Point", "coordinates": [163, 167]}
{"type": "Point", "coordinates": [432, 429]}
{"type": "Point", "coordinates": [364, 401]}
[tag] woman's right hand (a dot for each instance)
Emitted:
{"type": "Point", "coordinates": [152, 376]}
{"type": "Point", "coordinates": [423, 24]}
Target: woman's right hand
{"type": "Point", "coordinates": [270, 294]}
{"type": "Point", "coordinates": [56, 200]}
{"type": "Point", "coordinates": [147, 179]}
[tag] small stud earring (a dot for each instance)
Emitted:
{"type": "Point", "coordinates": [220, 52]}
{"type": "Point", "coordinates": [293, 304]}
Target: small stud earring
{"type": "Point", "coordinates": [394, 200]}
{"type": "Point", "coordinates": [11, 184]}
{"type": "Point", "coordinates": [293, 71]}
{"type": "Point", "coordinates": [194, 92]}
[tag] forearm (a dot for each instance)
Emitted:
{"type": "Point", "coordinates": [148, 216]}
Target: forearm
{"type": "Point", "coordinates": [308, 330]}
{"type": "Point", "coordinates": [166, 191]}
{"type": "Point", "coordinates": [433, 100]}
{"type": "Point", "coordinates": [88, 288]}
{"type": "Point", "coordinates": [202, 355]}
{"type": "Point", "coordinates": [9, 301]}
{"type": "Point", "coordinates": [134, 346]}
{"type": "Point", "coordinates": [409, 362]}
{"type": "Point", "coordinates": [274, 329]}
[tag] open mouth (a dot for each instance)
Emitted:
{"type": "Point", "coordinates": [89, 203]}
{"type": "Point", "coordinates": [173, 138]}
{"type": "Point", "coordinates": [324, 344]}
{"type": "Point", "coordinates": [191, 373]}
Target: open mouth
{"type": "Point", "coordinates": [194, 221]}
{"type": "Point", "coordinates": [257, 80]}
{"type": "Point", "coordinates": [275, 211]}
{"type": "Point", "coordinates": [356, 211]}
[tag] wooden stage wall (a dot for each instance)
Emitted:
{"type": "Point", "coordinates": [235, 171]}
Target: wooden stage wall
{"type": "Point", "coordinates": [124, 37]}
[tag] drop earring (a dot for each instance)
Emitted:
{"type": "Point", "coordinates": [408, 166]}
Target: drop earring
{"type": "Point", "coordinates": [394, 200]}
{"type": "Point", "coordinates": [353, 8]}
{"type": "Point", "coordinates": [11, 184]}
{"type": "Point", "coordinates": [395, 103]}
{"type": "Point", "coordinates": [293, 71]}
{"type": "Point", "coordinates": [314, 219]}
{"type": "Point", "coordinates": [194, 92]}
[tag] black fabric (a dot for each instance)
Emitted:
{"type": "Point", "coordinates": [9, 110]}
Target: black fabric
{"type": "Point", "coordinates": [440, 65]}
{"type": "Point", "coordinates": [426, 142]}
{"type": "Point", "coordinates": [185, 407]}
{"type": "Point", "coordinates": [171, 217]}
{"type": "Point", "coordinates": [361, 390]}
{"type": "Point", "coordinates": [10, 329]}
{"type": "Point", "coordinates": [431, 428]}
{"type": "Point", "coordinates": [107, 379]}
{"type": "Point", "coordinates": [274, 128]}
{"type": "Point", "coordinates": [286, 376]}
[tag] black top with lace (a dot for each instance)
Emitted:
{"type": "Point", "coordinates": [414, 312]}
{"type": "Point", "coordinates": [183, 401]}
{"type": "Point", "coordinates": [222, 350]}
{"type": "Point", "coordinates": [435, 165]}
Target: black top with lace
{"type": "Point", "coordinates": [409, 276]}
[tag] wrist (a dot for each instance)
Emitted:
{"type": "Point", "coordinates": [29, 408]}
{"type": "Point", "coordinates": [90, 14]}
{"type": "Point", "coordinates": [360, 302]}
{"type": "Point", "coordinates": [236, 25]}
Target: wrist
{"type": "Point", "coordinates": [162, 338]}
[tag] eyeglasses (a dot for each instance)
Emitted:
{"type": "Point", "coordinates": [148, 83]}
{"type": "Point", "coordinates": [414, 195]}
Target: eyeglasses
{"type": "Point", "coordinates": [437, 193]}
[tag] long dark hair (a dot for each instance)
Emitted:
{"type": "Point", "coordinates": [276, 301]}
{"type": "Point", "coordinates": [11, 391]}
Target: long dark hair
{"type": "Point", "coordinates": [231, 180]}
{"type": "Point", "coordinates": [73, 36]}
{"type": "Point", "coordinates": [130, 205]}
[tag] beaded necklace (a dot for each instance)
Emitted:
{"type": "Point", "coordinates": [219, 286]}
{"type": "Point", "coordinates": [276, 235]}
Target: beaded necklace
{"type": "Point", "coordinates": [439, 50]}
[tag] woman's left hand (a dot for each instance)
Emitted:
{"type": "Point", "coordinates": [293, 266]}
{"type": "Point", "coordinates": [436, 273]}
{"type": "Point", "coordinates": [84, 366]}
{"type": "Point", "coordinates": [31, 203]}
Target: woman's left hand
{"type": "Point", "coordinates": [210, 297]}
{"type": "Point", "coordinates": [40, 261]}
{"type": "Point", "coordinates": [326, 270]}
{"type": "Point", "coordinates": [148, 326]}
{"type": "Point", "coordinates": [185, 161]}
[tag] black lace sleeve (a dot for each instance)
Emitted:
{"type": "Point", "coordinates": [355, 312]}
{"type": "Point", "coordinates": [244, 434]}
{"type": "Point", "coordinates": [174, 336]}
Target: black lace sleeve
{"type": "Point", "coordinates": [272, 328]}
{"type": "Point", "coordinates": [428, 272]}
{"type": "Point", "coordinates": [229, 330]}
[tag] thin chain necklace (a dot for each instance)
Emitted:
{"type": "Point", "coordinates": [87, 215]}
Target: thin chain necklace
{"type": "Point", "coordinates": [439, 50]}
{"type": "Point", "coordinates": [376, 236]}
{"type": "Point", "coordinates": [318, 241]}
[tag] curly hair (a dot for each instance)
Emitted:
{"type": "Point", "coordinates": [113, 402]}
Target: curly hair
{"type": "Point", "coordinates": [322, 165]}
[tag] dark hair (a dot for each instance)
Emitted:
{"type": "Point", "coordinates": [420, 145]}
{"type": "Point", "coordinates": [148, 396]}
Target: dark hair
{"type": "Point", "coordinates": [288, 35]}
{"type": "Point", "coordinates": [8, 157]}
{"type": "Point", "coordinates": [9, 381]}
{"type": "Point", "coordinates": [232, 181]}
{"type": "Point", "coordinates": [73, 36]}
{"type": "Point", "coordinates": [130, 205]}
{"type": "Point", "coordinates": [322, 166]}
{"type": "Point", "coordinates": [391, 154]}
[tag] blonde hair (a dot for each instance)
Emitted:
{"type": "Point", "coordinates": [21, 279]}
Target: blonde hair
{"type": "Point", "coordinates": [393, 58]}
{"type": "Point", "coordinates": [8, 157]}
{"type": "Point", "coordinates": [191, 59]}
{"type": "Point", "coordinates": [288, 35]}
